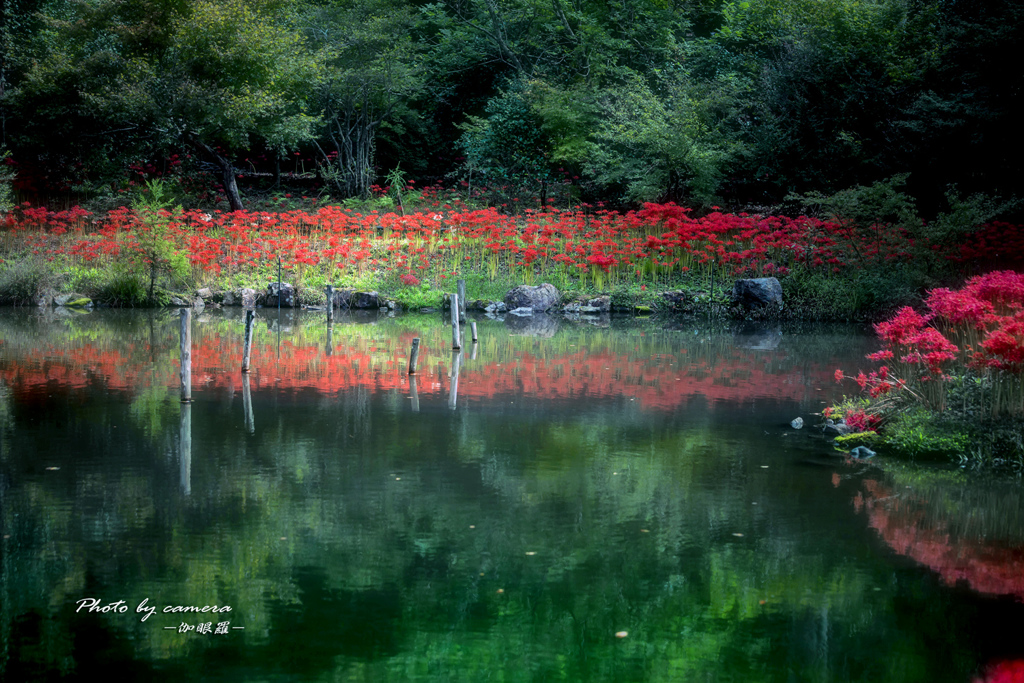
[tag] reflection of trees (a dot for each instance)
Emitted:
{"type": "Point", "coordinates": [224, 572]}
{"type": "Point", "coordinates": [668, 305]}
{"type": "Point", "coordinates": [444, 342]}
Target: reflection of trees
{"type": "Point", "coordinates": [356, 538]}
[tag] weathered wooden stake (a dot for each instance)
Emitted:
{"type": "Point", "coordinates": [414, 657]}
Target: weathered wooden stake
{"type": "Point", "coordinates": [462, 300]}
{"type": "Point", "coordinates": [414, 355]}
{"type": "Point", "coordinates": [413, 395]}
{"type": "Point", "coordinates": [330, 303]}
{"type": "Point", "coordinates": [711, 294]}
{"type": "Point", "coordinates": [453, 391]}
{"type": "Point", "coordinates": [456, 343]}
{"type": "Point", "coordinates": [250, 423]}
{"type": "Point", "coordinates": [186, 355]}
{"type": "Point", "coordinates": [185, 448]}
{"type": "Point", "coordinates": [250, 323]}
{"type": "Point", "coordinates": [472, 327]}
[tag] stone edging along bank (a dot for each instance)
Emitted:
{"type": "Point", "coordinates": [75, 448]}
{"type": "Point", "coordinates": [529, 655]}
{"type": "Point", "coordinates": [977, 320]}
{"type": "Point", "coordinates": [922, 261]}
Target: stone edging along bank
{"type": "Point", "coordinates": [760, 296]}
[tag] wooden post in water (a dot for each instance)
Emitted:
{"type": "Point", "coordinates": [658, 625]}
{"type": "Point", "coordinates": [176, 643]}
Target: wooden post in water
{"type": "Point", "coordinates": [472, 327]}
{"type": "Point", "coordinates": [453, 391]}
{"type": "Point", "coordinates": [250, 423]}
{"type": "Point", "coordinates": [456, 344]}
{"type": "Point", "coordinates": [413, 395]}
{"type": "Point", "coordinates": [250, 323]}
{"type": "Point", "coordinates": [414, 355]}
{"type": "Point", "coordinates": [462, 300]}
{"type": "Point", "coordinates": [186, 355]}
{"type": "Point", "coordinates": [330, 303]}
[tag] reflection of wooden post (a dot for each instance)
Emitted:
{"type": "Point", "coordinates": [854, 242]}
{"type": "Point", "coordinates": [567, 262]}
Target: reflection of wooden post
{"type": "Point", "coordinates": [250, 323]}
{"type": "Point", "coordinates": [185, 447]}
{"type": "Point", "coordinates": [462, 300]}
{"type": "Point", "coordinates": [330, 303]}
{"type": "Point", "coordinates": [455, 322]}
{"type": "Point", "coordinates": [186, 355]}
{"type": "Point", "coordinates": [413, 395]}
{"type": "Point", "coordinates": [329, 349]}
{"type": "Point", "coordinates": [472, 356]}
{"type": "Point", "coordinates": [472, 326]}
{"type": "Point", "coordinates": [453, 392]}
{"type": "Point", "coordinates": [250, 423]}
{"type": "Point", "coordinates": [414, 355]}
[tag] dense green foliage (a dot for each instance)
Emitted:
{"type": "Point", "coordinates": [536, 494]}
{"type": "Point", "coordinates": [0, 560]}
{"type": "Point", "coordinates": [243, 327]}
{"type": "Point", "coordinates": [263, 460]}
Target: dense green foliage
{"type": "Point", "coordinates": [702, 102]}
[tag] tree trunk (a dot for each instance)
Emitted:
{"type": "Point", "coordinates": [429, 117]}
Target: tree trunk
{"type": "Point", "coordinates": [230, 186]}
{"type": "Point", "coordinates": [227, 172]}
{"type": "Point", "coordinates": [350, 132]}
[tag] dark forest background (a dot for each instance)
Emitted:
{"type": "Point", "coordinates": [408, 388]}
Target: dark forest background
{"type": "Point", "coordinates": [703, 102]}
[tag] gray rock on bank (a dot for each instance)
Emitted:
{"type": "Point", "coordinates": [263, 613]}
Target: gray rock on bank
{"type": "Point", "coordinates": [761, 292]}
{"type": "Point", "coordinates": [353, 298]}
{"type": "Point", "coordinates": [287, 293]}
{"type": "Point", "coordinates": [540, 298]}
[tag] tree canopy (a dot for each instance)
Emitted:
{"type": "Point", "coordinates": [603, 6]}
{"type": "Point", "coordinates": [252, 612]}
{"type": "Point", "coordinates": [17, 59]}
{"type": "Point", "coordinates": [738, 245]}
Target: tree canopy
{"type": "Point", "coordinates": [702, 101]}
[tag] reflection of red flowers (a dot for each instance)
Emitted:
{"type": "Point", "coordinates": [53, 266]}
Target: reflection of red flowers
{"type": "Point", "coordinates": [1003, 672]}
{"type": "Point", "coordinates": [380, 365]}
{"type": "Point", "coordinates": [909, 529]}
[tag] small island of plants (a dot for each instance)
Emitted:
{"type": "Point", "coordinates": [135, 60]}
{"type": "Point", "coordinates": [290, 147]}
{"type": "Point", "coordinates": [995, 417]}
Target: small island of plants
{"type": "Point", "coordinates": [951, 383]}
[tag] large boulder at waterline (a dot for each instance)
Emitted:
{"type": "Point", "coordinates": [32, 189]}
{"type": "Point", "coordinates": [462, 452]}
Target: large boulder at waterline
{"type": "Point", "coordinates": [351, 298]}
{"type": "Point", "coordinates": [365, 300]}
{"type": "Point", "coordinates": [539, 298]}
{"type": "Point", "coordinates": [242, 296]}
{"type": "Point", "coordinates": [184, 301]}
{"type": "Point", "coordinates": [761, 292]}
{"type": "Point", "coordinates": [287, 292]}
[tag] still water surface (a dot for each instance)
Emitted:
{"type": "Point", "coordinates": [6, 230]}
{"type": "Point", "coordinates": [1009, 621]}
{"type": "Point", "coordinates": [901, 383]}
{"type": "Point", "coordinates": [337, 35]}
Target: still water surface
{"type": "Point", "coordinates": [593, 502]}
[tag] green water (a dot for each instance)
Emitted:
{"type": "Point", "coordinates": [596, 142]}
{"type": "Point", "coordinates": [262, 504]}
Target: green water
{"type": "Point", "coordinates": [593, 502]}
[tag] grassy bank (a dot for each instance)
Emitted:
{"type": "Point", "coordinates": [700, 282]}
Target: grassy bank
{"type": "Point", "coordinates": [145, 254]}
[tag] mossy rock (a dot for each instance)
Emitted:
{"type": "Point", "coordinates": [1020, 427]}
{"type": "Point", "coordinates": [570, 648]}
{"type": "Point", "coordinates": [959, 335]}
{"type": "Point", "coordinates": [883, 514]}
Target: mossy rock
{"type": "Point", "coordinates": [643, 310]}
{"type": "Point", "coordinates": [73, 301]}
{"type": "Point", "coordinates": [849, 441]}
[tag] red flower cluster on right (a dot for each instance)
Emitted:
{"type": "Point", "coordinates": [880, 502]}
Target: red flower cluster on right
{"type": "Point", "coordinates": [986, 320]}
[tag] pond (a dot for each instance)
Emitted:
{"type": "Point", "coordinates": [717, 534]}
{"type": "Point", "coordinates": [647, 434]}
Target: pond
{"type": "Point", "coordinates": [591, 500]}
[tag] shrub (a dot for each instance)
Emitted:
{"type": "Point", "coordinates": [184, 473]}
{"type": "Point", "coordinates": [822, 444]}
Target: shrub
{"type": "Point", "coordinates": [22, 280]}
{"type": "Point", "coordinates": [125, 287]}
{"type": "Point", "coordinates": [920, 433]}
